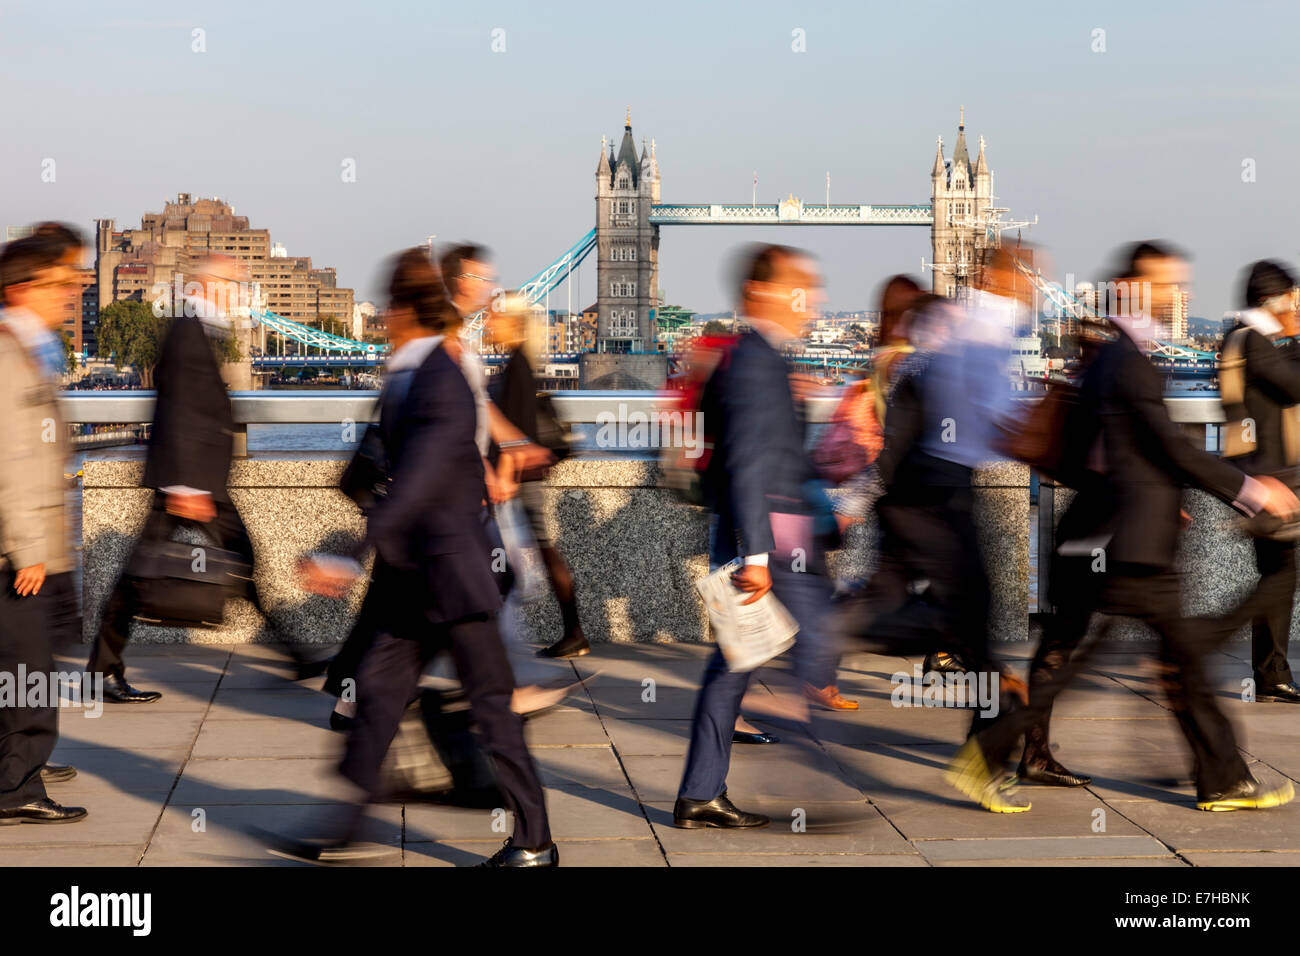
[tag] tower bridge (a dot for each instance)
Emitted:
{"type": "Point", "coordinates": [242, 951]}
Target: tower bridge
{"type": "Point", "coordinates": [630, 212]}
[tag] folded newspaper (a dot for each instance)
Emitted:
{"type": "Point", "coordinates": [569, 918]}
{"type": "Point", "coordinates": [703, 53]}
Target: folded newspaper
{"type": "Point", "coordinates": [748, 635]}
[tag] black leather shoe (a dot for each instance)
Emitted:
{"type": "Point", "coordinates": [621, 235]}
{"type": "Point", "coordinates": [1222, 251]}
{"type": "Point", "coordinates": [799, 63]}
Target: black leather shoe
{"type": "Point", "coordinates": [1050, 774]}
{"type": "Point", "coordinates": [41, 811]}
{"type": "Point", "coordinates": [570, 645]}
{"type": "Point", "coordinates": [341, 722]}
{"type": "Point", "coordinates": [118, 691]}
{"type": "Point", "coordinates": [1287, 693]}
{"type": "Point", "coordinates": [941, 662]}
{"type": "Point", "coordinates": [745, 737]}
{"type": "Point", "coordinates": [57, 773]}
{"type": "Point", "coordinates": [718, 812]}
{"type": "Point", "coordinates": [511, 855]}
{"type": "Point", "coordinates": [306, 670]}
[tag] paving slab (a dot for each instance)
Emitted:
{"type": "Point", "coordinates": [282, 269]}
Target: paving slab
{"type": "Point", "coordinates": [584, 853]}
{"type": "Point", "coordinates": [224, 836]}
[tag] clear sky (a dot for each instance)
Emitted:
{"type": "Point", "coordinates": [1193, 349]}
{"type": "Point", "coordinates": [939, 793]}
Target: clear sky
{"type": "Point", "coordinates": [1145, 139]}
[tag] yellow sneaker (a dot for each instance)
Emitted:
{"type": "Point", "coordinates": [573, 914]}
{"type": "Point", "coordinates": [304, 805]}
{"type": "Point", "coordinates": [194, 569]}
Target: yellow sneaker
{"type": "Point", "coordinates": [969, 772]}
{"type": "Point", "coordinates": [1250, 794]}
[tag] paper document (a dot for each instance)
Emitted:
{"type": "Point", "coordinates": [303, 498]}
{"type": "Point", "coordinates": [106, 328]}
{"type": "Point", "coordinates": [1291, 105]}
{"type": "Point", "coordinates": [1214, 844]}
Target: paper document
{"type": "Point", "coordinates": [748, 635]}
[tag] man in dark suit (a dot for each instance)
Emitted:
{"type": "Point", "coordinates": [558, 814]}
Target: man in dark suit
{"type": "Point", "coordinates": [756, 485]}
{"type": "Point", "coordinates": [1118, 542]}
{"type": "Point", "coordinates": [1261, 405]}
{"type": "Point", "coordinates": [188, 463]}
{"type": "Point", "coordinates": [436, 590]}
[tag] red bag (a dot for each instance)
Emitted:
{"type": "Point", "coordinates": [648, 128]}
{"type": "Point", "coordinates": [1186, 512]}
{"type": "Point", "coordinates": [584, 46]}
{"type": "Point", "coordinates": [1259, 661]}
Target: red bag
{"type": "Point", "coordinates": [680, 473]}
{"type": "Point", "coordinates": [854, 438]}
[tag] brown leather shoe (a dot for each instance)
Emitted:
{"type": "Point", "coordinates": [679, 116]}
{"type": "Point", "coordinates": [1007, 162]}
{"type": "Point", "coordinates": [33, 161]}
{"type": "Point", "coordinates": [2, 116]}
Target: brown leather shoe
{"type": "Point", "coordinates": [829, 697]}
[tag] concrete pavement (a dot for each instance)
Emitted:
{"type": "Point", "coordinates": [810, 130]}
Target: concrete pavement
{"type": "Point", "coordinates": [235, 744]}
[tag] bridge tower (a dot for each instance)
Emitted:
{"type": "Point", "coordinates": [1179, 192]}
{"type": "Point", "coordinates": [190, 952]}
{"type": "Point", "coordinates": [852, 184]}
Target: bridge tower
{"type": "Point", "coordinates": [961, 195]}
{"type": "Point", "coordinates": [627, 246]}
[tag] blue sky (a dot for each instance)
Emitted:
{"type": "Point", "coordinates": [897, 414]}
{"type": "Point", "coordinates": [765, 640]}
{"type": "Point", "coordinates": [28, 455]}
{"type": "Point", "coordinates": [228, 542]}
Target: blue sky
{"type": "Point", "coordinates": [1145, 139]}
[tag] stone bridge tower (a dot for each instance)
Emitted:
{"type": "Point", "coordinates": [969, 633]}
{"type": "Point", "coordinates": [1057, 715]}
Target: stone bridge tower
{"type": "Point", "coordinates": [961, 194]}
{"type": "Point", "coordinates": [627, 246]}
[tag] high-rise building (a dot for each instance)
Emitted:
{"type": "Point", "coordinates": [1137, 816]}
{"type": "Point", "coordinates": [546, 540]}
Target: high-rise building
{"type": "Point", "coordinates": [144, 263]}
{"type": "Point", "coordinates": [627, 246]}
{"type": "Point", "coordinates": [960, 195]}
{"type": "Point", "coordinates": [1171, 322]}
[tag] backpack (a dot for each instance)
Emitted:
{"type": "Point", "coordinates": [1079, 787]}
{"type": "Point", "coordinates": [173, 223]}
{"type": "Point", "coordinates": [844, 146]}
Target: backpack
{"type": "Point", "coordinates": [679, 472]}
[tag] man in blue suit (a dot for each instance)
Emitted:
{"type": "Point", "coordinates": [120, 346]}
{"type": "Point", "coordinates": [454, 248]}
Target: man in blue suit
{"type": "Point", "coordinates": [433, 586]}
{"type": "Point", "coordinates": [757, 486]}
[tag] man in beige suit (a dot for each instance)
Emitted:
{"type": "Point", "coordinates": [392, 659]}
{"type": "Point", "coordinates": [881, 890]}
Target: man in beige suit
{"type": "Point", "coordinates": [33, 533]}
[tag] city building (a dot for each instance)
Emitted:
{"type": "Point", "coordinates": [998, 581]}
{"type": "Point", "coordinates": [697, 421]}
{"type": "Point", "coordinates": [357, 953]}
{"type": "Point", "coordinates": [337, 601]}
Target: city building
{"type": "Point", "coordinates": [568, 332]}
{"type": "Point", "coordinates": [144, 263]}
{"type": "Point", "coordinates": [627, 246]}
{"type": "Point", "coordinates": [362, 314]}
{"type": "Point", "coordinates": [961, 195]}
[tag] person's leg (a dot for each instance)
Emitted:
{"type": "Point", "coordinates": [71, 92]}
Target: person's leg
{"type": "Point", "coordinates": [347, 661]}
{"type": "Point", "coordinates": [712, 725]}
{"type": "Point", "coordinates": [118, 612]}
{"type": "Point", "coordinates": [1271, 625]}
{"type": "Point", "coordinates": [1218, 763]}
{"type": "Point", "coordinates": [484, 672]}
{"type": "Point", "coordinates": [27, 733]}
{"type": "Point", "coordinates": [386, 683]}
{"type": "Point", "coordinates": [806, 594]}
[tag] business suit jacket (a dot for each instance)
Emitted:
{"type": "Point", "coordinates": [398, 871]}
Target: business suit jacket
{"type": "Point", "coordinates": [32, 486]}
{"type": "Point", "coordinates": [430, 523]}
{"type": "Point", "coordinates": [759, 466]}
{"type": "Point", "coordinates": [1146, 462]}
{"type": "Point", "coordinates": [1272, 385]}
{"type": "Point", "coordinates": [193, 427]}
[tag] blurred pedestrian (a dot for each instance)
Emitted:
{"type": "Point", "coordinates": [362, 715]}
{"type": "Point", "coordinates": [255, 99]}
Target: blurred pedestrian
{"type": "Point", "coordinates": [36, 286]}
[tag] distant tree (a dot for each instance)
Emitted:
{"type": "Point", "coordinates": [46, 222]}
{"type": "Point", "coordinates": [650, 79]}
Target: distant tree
{"type": "Point", "coordinates": [714, 327]}
{"type": "Point", "coordinates": [131, 334]}
{"type": "Point", "coordinates": [857, 333]}
{"type": "Point", "coordinates": [69, 351]}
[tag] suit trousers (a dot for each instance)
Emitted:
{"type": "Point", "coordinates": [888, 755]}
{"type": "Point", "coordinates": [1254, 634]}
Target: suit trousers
{"type": "Point", "coordinates": [229, 533]}
{"type": "Point", "coordinates": [1151, 595]}
{"type": "Point", "coordinates": [806, 595]}
{"type": "Point", "coordinates": [388, 678]}
{"type": "Point", "coordinates": [27, 734]}
{"type": "Point", "coordinates": [1273, 603]}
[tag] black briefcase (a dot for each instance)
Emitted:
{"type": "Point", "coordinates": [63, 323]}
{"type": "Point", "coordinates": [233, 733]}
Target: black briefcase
{"type": "Point", "coordinates": [437, 756]}
{"type": "Point", "coordinates": [178, 584]}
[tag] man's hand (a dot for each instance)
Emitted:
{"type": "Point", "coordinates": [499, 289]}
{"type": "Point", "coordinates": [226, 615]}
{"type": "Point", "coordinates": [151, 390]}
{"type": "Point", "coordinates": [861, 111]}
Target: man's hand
{"type": "Point", "coordinates": [29, 580]}
{"type": "Point", "coordinates": [1281, 500]}
{"type": "Point", "coordinates": [326, 578]}
{"type": "Point", "coordinates": [753, 577]}
{"type": "Point", "coordinates": [191, 507]}
{"type": "Point", "coordinates": [531, 455]}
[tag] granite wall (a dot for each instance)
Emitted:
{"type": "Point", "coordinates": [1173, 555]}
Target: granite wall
{"type": "Point", "coordinates": [634, 551]}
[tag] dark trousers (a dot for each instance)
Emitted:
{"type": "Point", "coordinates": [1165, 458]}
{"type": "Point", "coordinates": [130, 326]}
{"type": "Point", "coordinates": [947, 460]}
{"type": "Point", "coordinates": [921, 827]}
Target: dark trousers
{"type": "Point", "coordinates": [1153, 596]}
{"type": "Point", "coordinates": [229, 533]}
{"type": "Point", "coordinates": [347, 662]}
{"type": "Point", "coordinates": [27, 734]}
{"type": "Point", "coordinates": [387, 681]}
{"type": "Point", "coordinates": [934, 539]}
{"type": "Point", "coordinates": [806, 595]}
{"type": "Point", "coordinates": [1272, 604]}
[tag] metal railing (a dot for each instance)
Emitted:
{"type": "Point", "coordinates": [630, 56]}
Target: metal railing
{"type": "Point", "coordinates": [295, 407]}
